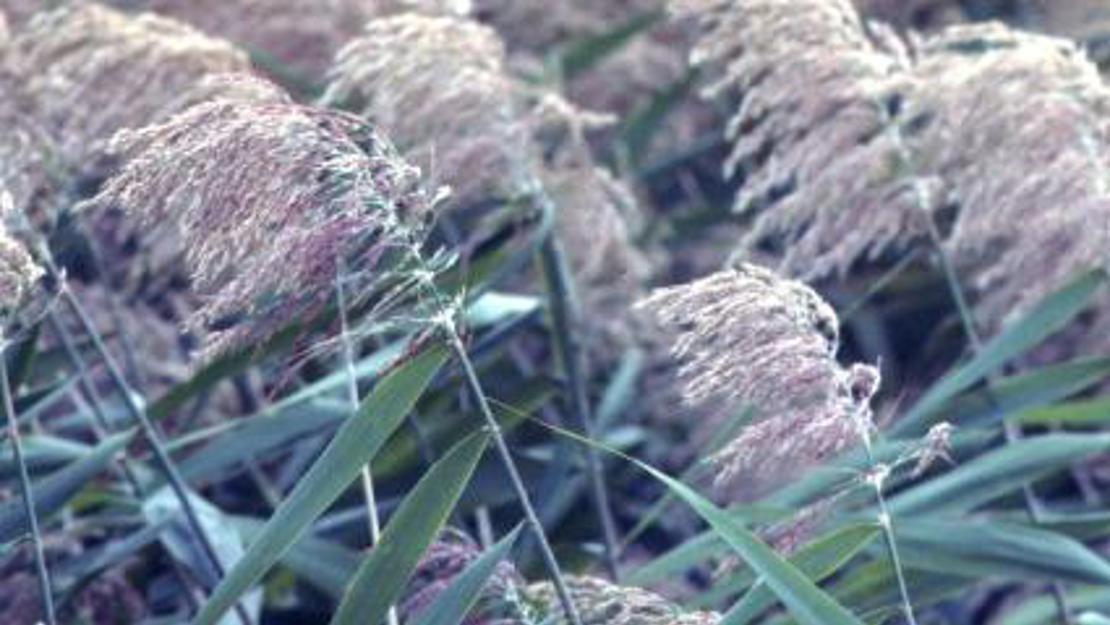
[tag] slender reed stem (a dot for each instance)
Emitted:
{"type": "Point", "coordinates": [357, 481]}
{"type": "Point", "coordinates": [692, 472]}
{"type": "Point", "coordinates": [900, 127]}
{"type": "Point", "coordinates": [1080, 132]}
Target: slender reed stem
{"type": "Point", "coordinates": [876, 478]}
{"type": "Point", "coordinates": [92, 398]}
{"type": "Point", "coordinates": [84, 382]}
{"type": "Point", "coordinates": [45, 592]}
{"type": "Point", "coordinates": [1012, 431]}
{"type": "Point", "coordinates": [565, 321]}
{"type": "Point", "coordinates": [150, 433]}
{"type": "Point", "coordinates": [371, 500]}
{"type": "Point", "coordinates": [530, 516]}
{"type": "Point", "coordinates": [445, 319]}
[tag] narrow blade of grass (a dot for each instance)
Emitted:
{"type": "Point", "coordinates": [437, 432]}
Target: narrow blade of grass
{"type": "Point", "coordinates": [381, 578]}
{"type": "Point", "coordinates": [353, 446]}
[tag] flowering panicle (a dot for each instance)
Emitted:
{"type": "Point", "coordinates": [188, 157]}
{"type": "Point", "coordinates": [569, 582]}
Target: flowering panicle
{"type": "Point", "coordinates": [439, 85]}
{"type": "Point", "coordinates": [745, 336]}
{"type": "Point", "coordinates": [604, 603]}
{"type": "Point", "coordinates": [592, 222]}
{"type": "Point", "coordinates": [816, 122]}
{"type": "Point", "coordinates": [444, 561]}
{"type": "Point", "coordinates": [301, 35]}
{"type": "Point", "coordinates": [89, 71]}
{"type": "Point", "coordinates": [268, 197]}
{"type": "Point", "coordinates": [849, 137]}
{"type": "Point", "coordinates": [1020, 134]}
{"type": "Point", "coordinates": [18, 271]}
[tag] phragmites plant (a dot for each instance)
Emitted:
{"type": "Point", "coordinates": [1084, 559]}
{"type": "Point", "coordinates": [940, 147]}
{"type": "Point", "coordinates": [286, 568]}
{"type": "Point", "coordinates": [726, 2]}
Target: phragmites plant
{"type": "Point", "coordinates": [293, 35]}
{"type": "Point", "coordinates": [89, 71]}
{"type": "Point", "coordinates": [440, 85]}
{"type": "Point", "coordinates": [605, 603]}
{"type": "Point", "coordinates": [290, 286]}
{"type": "Point", "coordinates": [746, 336]}
{"type": "Point", "coordinates": [870, 136]}
{"type": "Point", "coordinates": [444, 561]}
{"type": "Point", "coordinates": [266, 255]}
{"type": "Point", "coordinates": [18, 271]}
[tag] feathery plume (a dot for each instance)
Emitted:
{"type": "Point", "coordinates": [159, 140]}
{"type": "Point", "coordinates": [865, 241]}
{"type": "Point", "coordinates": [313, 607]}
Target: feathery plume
{"type": "Point", "coordinates": [847, 152]}
{"type": "Point", "coordinates": [303, 36]}
{"type": "Point", "coordinates": [604, 603]}
{"type": "Point", "coordinates": [608, 269]}
{"type": "Point", "coordinates": [444, 561]}
{"type": "Point", "coordinates": [745, 336]}
{"type": "Point", "coordinates": [268, 198]}
{"type": "Point", "coordinates": [18, 271]}
{"type": "Point", "coordinates": [439, 85]}
{"type": "Point", "coordinates": [819, 92]}
{"type": "Point", "coordinates": [1019, 132]}
{"type": "Point", "coordinates": [89, 71]}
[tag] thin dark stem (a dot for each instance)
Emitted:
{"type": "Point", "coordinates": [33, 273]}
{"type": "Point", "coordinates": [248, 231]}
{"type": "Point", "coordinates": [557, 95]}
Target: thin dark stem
{"type": "Point", "coordinates": [445, 319]}
{"type": "Point", "coordinates": [1011, 430]}
{"type": "Point", "coordinates": [84, 382]}
{"type": "Point", "coordinates": [92, 398]}
{"type": "Point", "coordinates": [26, 491]}
{"type": "Point", "coordinates": [566, 332]}
{"type": "Point", "coordinates": [530, 516]}
{"type": "Point", "coordinates": [153, 438]}
{"type": "Point", "coordinates": [886, 523]}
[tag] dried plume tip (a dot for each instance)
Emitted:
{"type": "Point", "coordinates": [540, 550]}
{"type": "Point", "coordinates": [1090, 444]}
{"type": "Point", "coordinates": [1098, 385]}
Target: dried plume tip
{"type": "Point", "coordinates": [89, 71]}
{"type": "Point", "coordinates": [850, 137]}
{"type": "Point", "coordinates": [1019, 131]}
{"type": "Point", "coordinates": [604, 603]}
{"type": "Point", "coordinates": [268, 198]}
{"type": "Point", "coordinates": [18, 271]}
{"type": "Point", "coordinates": [302, 36]}
{"type": "Point", "coordinates": [814, 124]}
{"type": "Point", "coordinates": [746, 337]}
{"type": "Point", "coordinates": [440, 86]}
{"type": "Point", "coordinates": [444, 561]}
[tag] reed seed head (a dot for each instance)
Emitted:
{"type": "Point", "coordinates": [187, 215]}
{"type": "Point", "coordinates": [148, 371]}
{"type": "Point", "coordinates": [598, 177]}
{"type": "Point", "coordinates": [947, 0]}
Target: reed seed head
{"type": "Point", "coordinates": [300, 36]}
{"type": "Point", "coordinates": [603, 603]}
{"type": "Point", "coordinates": [850, 137]}
{"type": "Point", "coordinates": [444, 561]}
{"type": "Point", "coordinates": [746, 337]}
{"type": "Point", "coordinates": [18, 271]}
{"type": "Point", "coordinates": [440, 86]}
{"type": "Point", "coordinates": [89, 71]}
{"type": "Point", "coordinates": [824, 167]}
{"type": "Point", "coordinates": [268, 198]}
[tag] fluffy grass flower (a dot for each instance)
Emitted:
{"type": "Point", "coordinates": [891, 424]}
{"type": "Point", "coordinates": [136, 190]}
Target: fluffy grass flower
{"type": "Point", "coordinates": [747, 337]}
{"type": "Point", "coordinates": [849, 137]}
{"type": "Point", "coordinates": [440, 86]}
{"type": "Point", "coordinates": [18, 271]}
{"type": "Point", "coordinates": [604, 603]}
{"type": "Point", "coordinates": [89, 71]}
{"type": "Point", "coordinates": [823, 168]}
{"type": "Point", "coordinates": [268, 198]}
{"type": "Point", "coordinates": [444, 561]}
{"type": "Point", "coordinates": [302, 36]}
